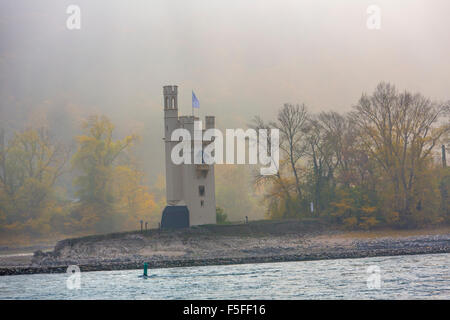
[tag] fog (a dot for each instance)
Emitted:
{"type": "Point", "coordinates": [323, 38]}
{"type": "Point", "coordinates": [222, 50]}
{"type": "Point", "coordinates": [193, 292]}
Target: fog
{"type": "Point", "coordinates": [242, 58]}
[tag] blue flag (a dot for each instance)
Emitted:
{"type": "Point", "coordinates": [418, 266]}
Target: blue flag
{"type": "Point", "coordinates": [195, 102]}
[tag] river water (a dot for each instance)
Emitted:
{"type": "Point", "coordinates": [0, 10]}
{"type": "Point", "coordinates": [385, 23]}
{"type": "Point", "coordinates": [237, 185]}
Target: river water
{"type": "Point", "coordinates": [400, 277]}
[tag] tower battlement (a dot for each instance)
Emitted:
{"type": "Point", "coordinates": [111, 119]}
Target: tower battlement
{"type": "Point", "coordinates": [210, 122]}
{"type": "Point", "coordinates": [170, 89]}
{"type": "Point", "coordinates": [187, 119]}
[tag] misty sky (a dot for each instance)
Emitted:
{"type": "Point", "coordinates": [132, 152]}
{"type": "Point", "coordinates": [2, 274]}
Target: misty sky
{"type": "Point", "coordinates": [242, 58]}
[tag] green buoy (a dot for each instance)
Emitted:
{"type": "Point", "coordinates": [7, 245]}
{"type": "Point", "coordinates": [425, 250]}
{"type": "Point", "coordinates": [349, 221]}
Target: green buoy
{"type": "Point", "coordinates": [145, 269]}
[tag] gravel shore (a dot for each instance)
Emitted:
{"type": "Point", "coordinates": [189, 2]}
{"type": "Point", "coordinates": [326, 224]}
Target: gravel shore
{"type": "Point", "coordinates": [217, 245]}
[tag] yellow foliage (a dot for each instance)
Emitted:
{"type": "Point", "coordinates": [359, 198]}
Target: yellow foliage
{"type": "Point", "coordinates": [368, 222]}
{"type": "Point", "coordinates": [350, 222]}
{"type": "Point", "coordinates": [392, 217]}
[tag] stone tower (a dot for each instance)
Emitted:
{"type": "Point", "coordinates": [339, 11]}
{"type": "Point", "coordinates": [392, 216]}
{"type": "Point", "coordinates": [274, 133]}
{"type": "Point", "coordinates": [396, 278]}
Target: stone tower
{"type": "Point", "coordinates": [190, 189]}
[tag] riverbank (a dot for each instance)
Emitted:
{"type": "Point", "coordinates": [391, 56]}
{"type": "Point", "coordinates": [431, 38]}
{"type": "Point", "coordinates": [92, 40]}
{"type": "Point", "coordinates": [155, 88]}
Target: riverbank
{"type": "Point", "coordinates": [256, 242]}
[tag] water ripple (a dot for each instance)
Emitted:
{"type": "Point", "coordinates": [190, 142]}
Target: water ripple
{"type": "Point", "coordinates": [401, 277]}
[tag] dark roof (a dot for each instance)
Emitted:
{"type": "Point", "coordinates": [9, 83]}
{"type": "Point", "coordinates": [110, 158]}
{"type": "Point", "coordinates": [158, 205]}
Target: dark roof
{"type": "Point", "coordinates": [174, 217]}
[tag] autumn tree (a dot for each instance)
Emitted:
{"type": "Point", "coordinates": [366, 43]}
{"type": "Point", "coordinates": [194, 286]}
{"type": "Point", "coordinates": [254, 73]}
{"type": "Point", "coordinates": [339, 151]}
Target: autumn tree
{"type": "Point", "coordinates": [279, 188]}
{"type": "Point", "coordinates": [30, 163]}
{"type": "Point", "coordinates": [379, 164]}
{"type": "Point", "coordinates": [134, 200]}
{"type": "Point", "coordinates": [323, 140]}
{"type": "Point", "coordinates": [400, 131]}
{"type": "Point", "coordinates": [96, 162]}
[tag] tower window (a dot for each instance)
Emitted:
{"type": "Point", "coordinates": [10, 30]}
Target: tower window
{"type": "Point", "coordinates": [201, 191]}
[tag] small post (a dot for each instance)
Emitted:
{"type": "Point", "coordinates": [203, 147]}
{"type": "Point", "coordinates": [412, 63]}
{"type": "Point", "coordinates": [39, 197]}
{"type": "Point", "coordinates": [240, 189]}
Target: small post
{"type": "Point", "coordinates": [444, 160]}
{"type": "Point", "coordinates": [142, 225]}
{"type": "Point", "coordinates": [246, 219]}
{"type": "Point", "coordinates": [145, 269]}
{"type": "Point", "coordinates": [146, 224]}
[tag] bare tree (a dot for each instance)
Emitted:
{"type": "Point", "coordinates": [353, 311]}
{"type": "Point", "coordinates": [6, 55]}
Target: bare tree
{"type": "Point", "coordinates": [400, 132]}
{"type": "Point", "coordinates": [292, 121]}
{"type": "Point", "coordinates": [277, 178]}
